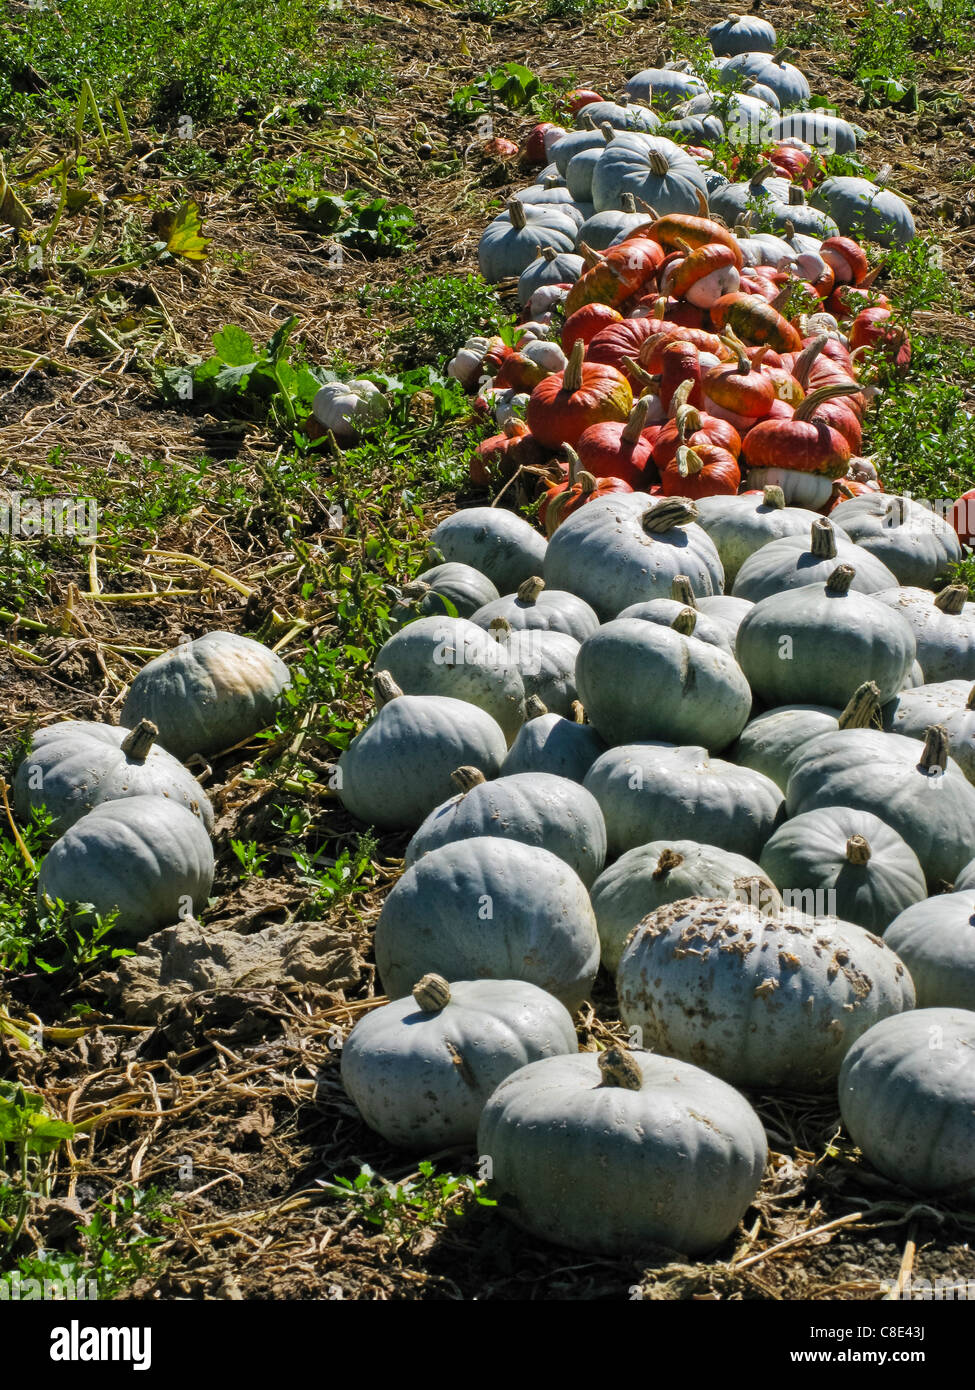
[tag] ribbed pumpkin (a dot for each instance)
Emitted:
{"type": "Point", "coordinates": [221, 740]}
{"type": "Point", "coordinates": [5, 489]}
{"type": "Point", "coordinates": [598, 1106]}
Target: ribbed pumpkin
{"type": "Point", "coordinates": [852, 862]}
{"type": "Point", "coordinates": [935, 939]}
{"type": "Point", "coordinates": [620, 1153]}
{"type": "Point", "coordinates": [665, 871]}
{"type": "Point", "coordinates": [490, 909]}
{"type": "Point", "coordinates": [794, 563]}
{"type": "Point", "coordinates": [535, 606]}
{"type": "Point", "coordinates": [462, 586]}
{"type": "Point", "coordinates": [762, 998]}
{"type": "Point", "coordinates": [617, 551]}
{"type": "Point", "coordinates": [208, 694]}
{"type": "Point", "coordinates": [456, 658]}
{"type": "Point", "coordinates": [914, 542]}
{"type": "Point", "coordinates": [144, 856]}
{"type": "Point", "coordinates": [618, 449]}
{"type": "Point", "coordinates": [74, 766]}
{"type": "Point", "coordinates": [616, 274]}
{"type": "Point", "coordinates": [496, 542]}
{"type": "Point", "coordinates": [535, 808]}
{"type": "Point", "coordinates": [420, 1069]}
{"type": "Point", "coordinates": [642, 681]}
{"type": "Point", "coordinates": [399, 767]}
{"type": "Point", "coordinates": [567, 403]}
{"type": "Point", "coordinates": [944, 629]}
{"type": "Point", "coordinates": [655, 791]}
{"type": "Point", "coordinates": [740, 525]}
{"type": "Point", "coordinates": [755, 321]}
{"type": "Point", "coordinates": [575, 490]}
{"type": "Point", "coordinates": [586, 323]}
{"type": "Point", "coordinates": [549, 742]}
{"type": "Point", "coordinates": [948, 703]}
{"type": "Point", "coordinates": [817, 644]}
{"type": "Point", "coordinates": [918, 791]}
{"type": "Point", "coordinates": [907, 1097]}
{"type": "Point", "coordinates": [771, 742]}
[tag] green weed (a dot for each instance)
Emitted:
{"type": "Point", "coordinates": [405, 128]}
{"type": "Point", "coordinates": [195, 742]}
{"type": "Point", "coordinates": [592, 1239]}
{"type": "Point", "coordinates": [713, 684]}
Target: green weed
{"type": "Point", "coordinates": [401, 1210]}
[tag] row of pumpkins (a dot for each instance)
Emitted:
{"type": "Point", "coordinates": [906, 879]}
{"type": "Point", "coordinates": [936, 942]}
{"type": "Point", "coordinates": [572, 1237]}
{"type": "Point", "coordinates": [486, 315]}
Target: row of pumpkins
{"type": "Point", "coordinates": [708, 737]}
{"type": "Point", "coordinates": [719, 742]}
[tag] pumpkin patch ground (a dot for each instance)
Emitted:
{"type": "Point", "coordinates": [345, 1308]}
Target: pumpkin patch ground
{"type": "Point", "coordinates": [243, 320]}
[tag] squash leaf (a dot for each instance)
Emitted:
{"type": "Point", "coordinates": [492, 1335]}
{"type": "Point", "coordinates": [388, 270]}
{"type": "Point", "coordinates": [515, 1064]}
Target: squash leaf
{"type": "Point", "coordinates": [180, 231]}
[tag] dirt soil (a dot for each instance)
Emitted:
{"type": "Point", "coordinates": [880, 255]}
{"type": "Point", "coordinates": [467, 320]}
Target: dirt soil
{"type": "Point", "coordinates": [229, 1096]}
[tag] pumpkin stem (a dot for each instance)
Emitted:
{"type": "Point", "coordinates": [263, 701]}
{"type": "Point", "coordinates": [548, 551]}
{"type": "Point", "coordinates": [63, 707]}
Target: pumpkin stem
{"type": "Point", "coordinates": [620, 1068]}
{"type": "Point", "coordinates": [732, 341]}
{"type": "Point", "coordinates": [862, 708]}
{"type": "Point", "coordinates": [499, 629]}
{"type": "Point", "coordinates": [689, 421]}
{"type": "Point", "coordinates": [840, 580]}
{"type": "Point", "coordinates": [702, 204]}
{"type": "Point", "coordinates": [627, 202]}
{"type": "Point", "coordinates": [669, 859]}
{"type": "Point", "coordinates": [579, 715]}
{"type": "Point", "coordinates": [935, 755]}
{"type": "Point", "coordinates": [679, 398]}
{"type": "Point", "coordinates": [857, 850]}
{"type": "Point", "coordinates": [138, 743]}
{"type": "Point", "coordinates": [807, 408]}
{"type": "Point", "coordinates": [529, 589]}
{"type": "Point", "coordinates": [384, 689]}
{"type": "Point", "coordinates": [680, 589]}
{"type": "Point", "coordinates": [573, 463]}
{"type": "Point", "coordinates": [783, 55]}
{"type": "Point", "coordinates": [586, 121]}
{"type": "Point", "coordinates": [639, 374]}
{"type": "Point", "coordinates": [759, 892]}
{"type": "Point", "coordinates": [773, 496]}
{"type": "Point", "coordinates": [592, 258]}
{"type": "Point", "coordinates": [636, 421]}
{"type": "Point", "coordinates": [823, 539]}
{"type": "Point", "coordinates": [970, 702]}
{"type": "Point", "coordinates": [689, 461]}
{"type": "Point", "coordinates": [608, 131]}
{"type": "Point", "coordinates": [646, 207]}
{"type": "Point", "coordinates": [549, 254]}
{"type": "Point", "coordinates": [685, 622]}
{"type": "Point", "coordinates": [516, 211]}
{"type": "Point", "coordinates": [797, 197]}
{"type": "Point", "coordinates": [432, 994]}
{"type": "Point", "coordinates": [806, 358]}
{"type": "Point", "coordinates": [659, 163]}
{"type": "Point", "coordinates": [952, 600]}
{"type": "Point", "coordinates": [671, 512]}
{"type": "Point", "coordinates": [535, 708]}
{"type": "Point", "coordinates": [765, 171]}
{"type": "Point", "coordinates": [414, 591]}
{"type": "Point", "coordinates": [572, 376]}
{"type": "Point", "coordinates": [466, 778]}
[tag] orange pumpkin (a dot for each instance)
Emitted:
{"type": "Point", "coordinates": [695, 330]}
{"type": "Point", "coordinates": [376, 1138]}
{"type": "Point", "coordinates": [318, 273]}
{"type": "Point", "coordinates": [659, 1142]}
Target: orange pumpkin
{"type": "Point", "coordinates": [566, 403]}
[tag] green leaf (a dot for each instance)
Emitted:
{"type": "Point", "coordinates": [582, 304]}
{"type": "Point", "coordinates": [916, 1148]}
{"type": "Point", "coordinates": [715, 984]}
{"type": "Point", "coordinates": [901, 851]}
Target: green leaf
{"type": "Point", "coordinates": [181, 231]}
{"type": "Point", "coordinates": [234, 346]}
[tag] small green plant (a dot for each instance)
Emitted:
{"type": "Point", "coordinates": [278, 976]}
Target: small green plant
{"type": "Point", "coordinates": [328, 879]}
{"type": "Point", "coordinates": [439, 312]}
{"type": "Point", "coordinates": [116, 1250]}
{"type": "Point", "coordinates": [241, 377]}
{"type": "Point", "coordinates": [400, 1210]}
{"type": "Point", "coordinates": [29, 1135]}
{"type": "Point", "coordinates": [249, 857]}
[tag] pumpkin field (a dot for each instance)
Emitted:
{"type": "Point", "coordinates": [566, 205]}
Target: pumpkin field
{"type": "Point", "coordinates": [487, 622]}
